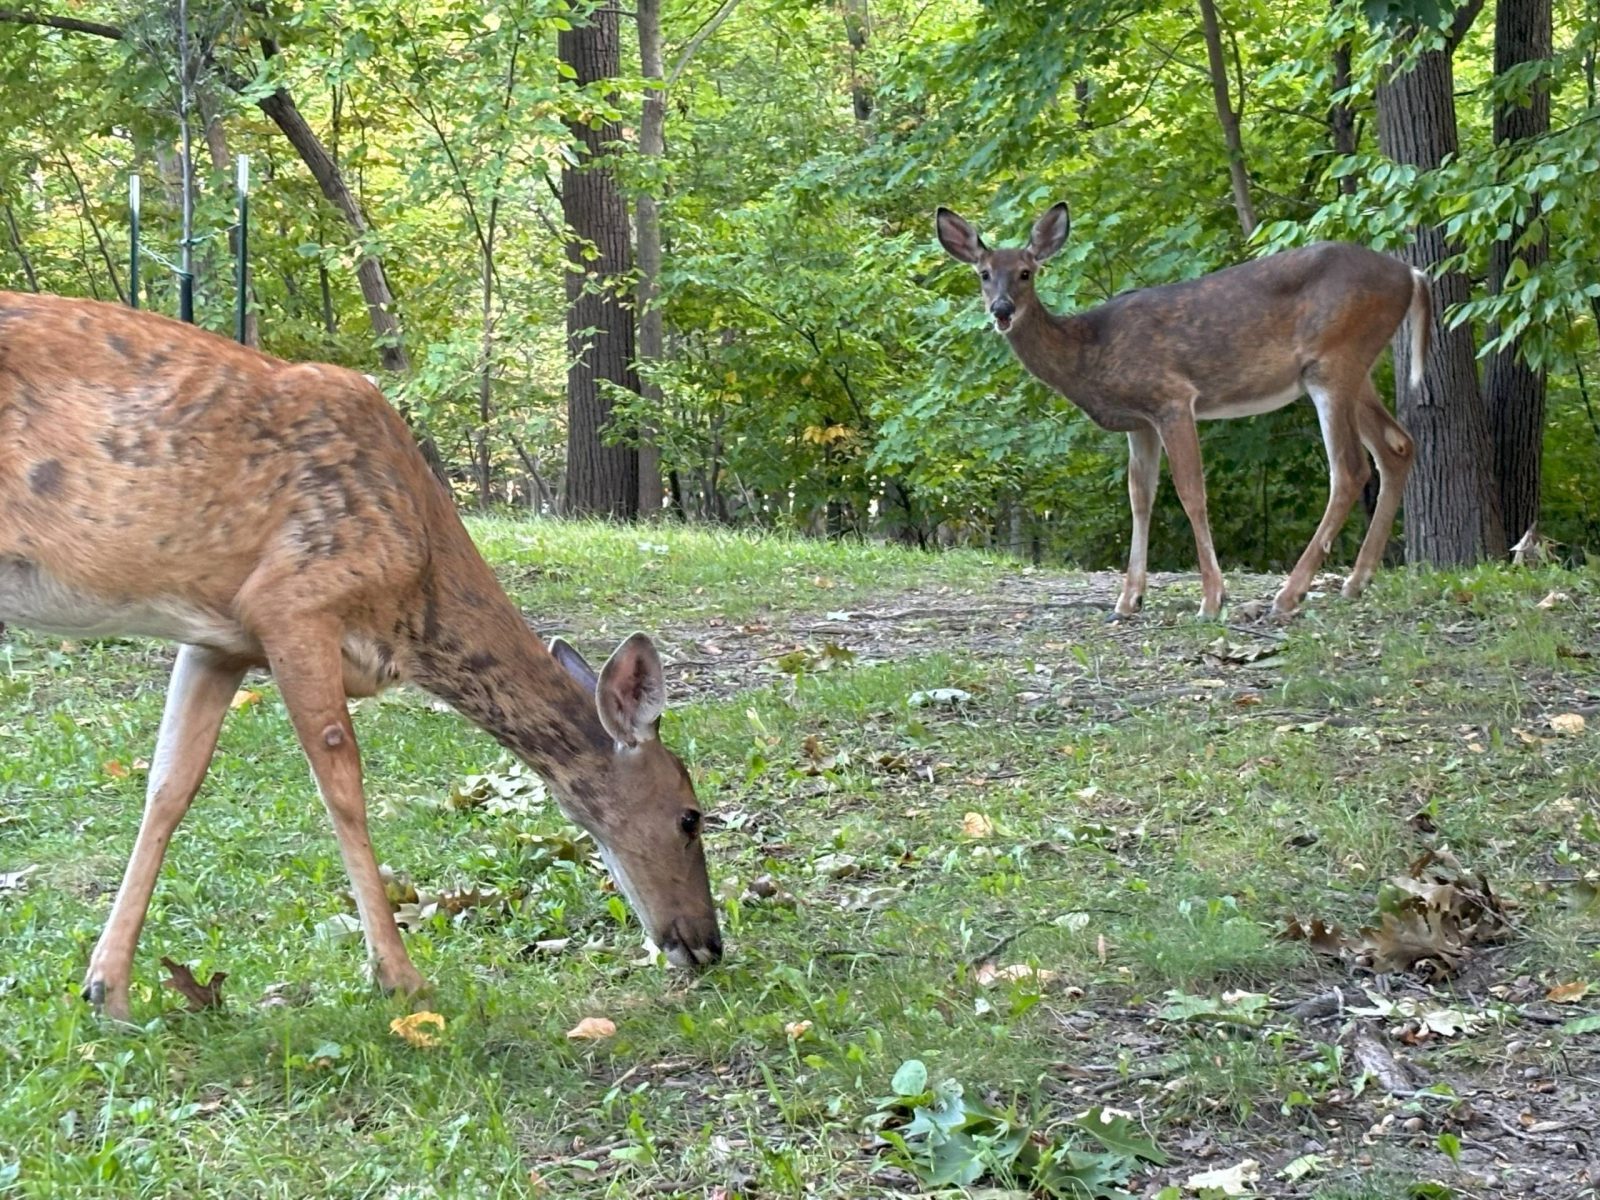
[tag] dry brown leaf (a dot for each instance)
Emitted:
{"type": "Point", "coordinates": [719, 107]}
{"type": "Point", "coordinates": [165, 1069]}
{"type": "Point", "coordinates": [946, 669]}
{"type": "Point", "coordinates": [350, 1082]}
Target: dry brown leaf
{"type": "Point", "coordinates": [976, 825]}
{"type": "Point", "coordinates": [1318, 934]}
{"type": "Point", "coordinates": [592, 1029]}
{"type": "Point", "coordinates": [411, 1028]}
{"type": "Point", "coordinates": [244, 698]}
{"type": "Point", "coordinates": [199, 996]}
{"type": "Point", "coordinates": [797, 1030]}
{"type": "Point", "coordinates": [114, 769]}
{"type": "Point", "coordinates": [1568, 993]}
{"type": "Point", "coordinates": [1567, 722]}
{"type": "Point", "coordinates": [1553, 599]}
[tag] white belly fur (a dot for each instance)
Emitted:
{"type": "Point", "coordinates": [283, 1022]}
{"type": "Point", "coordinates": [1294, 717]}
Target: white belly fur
{"type": "Point", "coordinates": [31, 598]}
{"type": "Point", "coordinates": [1249, 408]}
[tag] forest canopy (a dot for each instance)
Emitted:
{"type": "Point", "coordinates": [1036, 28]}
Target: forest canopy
{"type": "Point", "coordinates": [723, 212]}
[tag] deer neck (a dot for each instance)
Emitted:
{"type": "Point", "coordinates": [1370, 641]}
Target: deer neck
{"type": "Point", "coordinates": [467, 644]}
{"type": "Point", "coordinates": [1052, 348]}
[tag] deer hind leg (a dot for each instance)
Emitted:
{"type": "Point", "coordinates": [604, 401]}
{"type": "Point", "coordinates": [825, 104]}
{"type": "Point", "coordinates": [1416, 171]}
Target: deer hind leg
{"type": "Point", "coordinates": [1348, 472]}
{"type": "Point", "coordinates": [1144, 477]}
{"type": "Point", "coordinates": [308, 665]}
{"type": "Point", "coordinates": [203, 682]}
{"type": "Point", "coordinates": [1394, 451]}
{"type": "Point", "coordinates": [1182, 442]}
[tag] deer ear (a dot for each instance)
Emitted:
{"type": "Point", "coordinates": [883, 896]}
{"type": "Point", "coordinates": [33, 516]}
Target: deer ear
{"type": "Point", "coordinates": [1049, 233]}
{"type": "Point", "coordinates": [574, 664]}
{"type": "Point", "coordinates": [960, 240]}
{"type": "Point", "coordinates": [632, 692]}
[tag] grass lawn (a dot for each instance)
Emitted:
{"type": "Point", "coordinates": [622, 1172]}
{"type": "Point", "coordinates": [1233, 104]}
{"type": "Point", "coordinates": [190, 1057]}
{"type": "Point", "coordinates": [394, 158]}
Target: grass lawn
{"type": "Point", "coordinates": [956, 818]}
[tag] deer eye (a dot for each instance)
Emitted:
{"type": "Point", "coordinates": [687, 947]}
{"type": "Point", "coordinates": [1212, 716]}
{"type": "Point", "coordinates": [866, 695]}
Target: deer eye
{"type": "Point", "coordinates": [1027, 274]}
{"type": "Point", "coordinates": [689, 822]}
{"type": "Point", "coordinates": [983, 275]}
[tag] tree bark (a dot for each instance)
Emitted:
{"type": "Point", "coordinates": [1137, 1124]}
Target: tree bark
{"type": "Point", "coordinates": [1227, 118]}
{"type": "Point", "coordinates": [1452, 504]}
{"type": "Point", "coordinates": [1341, 119]}
{"type": "Point", "coordinates": [602, 479]}
{"type": "Point", "coordinates": [1516, 392]}
{"type": "Point", "coordinates": [653, 147]}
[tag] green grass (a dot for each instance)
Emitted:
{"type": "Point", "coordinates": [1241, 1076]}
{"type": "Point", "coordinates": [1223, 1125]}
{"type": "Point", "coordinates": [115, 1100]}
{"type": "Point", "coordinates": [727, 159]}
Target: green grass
{"type": "Point", "coordinates": [1136, 849]}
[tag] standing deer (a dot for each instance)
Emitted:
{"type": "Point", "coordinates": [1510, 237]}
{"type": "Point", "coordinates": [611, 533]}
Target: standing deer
{"type": "Point", "coordinates": [159, 481]}
{"type": "Point", "coordinates": [1237, 342]}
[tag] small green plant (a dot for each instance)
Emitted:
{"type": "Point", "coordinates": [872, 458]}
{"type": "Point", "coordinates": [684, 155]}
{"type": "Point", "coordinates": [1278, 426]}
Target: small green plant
{"type": "Point", "coordinates": [951, 1139]}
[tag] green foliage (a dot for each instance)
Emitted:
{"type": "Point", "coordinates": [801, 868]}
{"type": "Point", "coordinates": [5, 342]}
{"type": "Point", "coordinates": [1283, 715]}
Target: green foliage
{"type": "Point", "coordinates": [952, 1139]}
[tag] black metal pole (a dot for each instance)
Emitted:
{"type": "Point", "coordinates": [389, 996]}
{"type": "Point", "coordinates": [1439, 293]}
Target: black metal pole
{"type": "Point", "coordinates": [241, 274]}
{"type": "Point", "coordinates": [186, 257]}
{"type": "Point", "coordinates": [133, 241]}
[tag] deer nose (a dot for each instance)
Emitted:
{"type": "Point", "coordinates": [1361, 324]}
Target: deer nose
{"type": "Point", "coordinates": [1003, 308]}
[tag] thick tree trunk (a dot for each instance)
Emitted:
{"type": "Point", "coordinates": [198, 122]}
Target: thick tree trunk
{"type": "Point", "coordinates": [1452, 504]}
{"type": "Point", "coordinates": [1227, 118]}
{"type": "Point", "coordinates": [653, 146]}
{"type": "Point", "coordinates": [1515, 391]}
{"type": "Point", "coordinates": [602, 479]}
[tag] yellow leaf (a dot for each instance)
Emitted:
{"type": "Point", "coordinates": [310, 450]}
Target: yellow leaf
{"type": "Point", "coordinates": [592, 1029]}
{"type": "Point", "coordinates": [1568, 993]}
{"type": "Point", "coordinates": [1567, 723]}
{"type": "Point", "coordinates": [976, 825]}
{"type": "Point", "coordinates": [114, 769]}
{"type": "Point", "coordinates": [797, 1029]}
{"type": "Point", "coordinates": [988, 974]}
{"type": "Point", "coordinates": [244, 698]}
{"type": "Point", "coordinates": [411, 1028]}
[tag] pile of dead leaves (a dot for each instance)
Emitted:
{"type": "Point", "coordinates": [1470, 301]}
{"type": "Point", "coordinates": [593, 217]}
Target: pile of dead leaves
{"type": "Point", "coordinates": [1430, 919]}
{"type": "Point", "coordinates": [414, 907]}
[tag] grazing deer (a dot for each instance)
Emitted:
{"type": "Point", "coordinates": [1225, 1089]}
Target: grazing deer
{"type": "Point", "coordinates": [159, 481]}
{"type": "Point", "coordinates": [1241, 341]}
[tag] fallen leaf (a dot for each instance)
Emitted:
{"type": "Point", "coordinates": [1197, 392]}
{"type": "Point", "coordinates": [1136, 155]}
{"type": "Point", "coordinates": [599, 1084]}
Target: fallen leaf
{"type": "Point", "coordinates": [14, 881]}
{"type": "Point", "coordinates": [988, 974]}
{"type": "Point", "coordinates": [976, 825]}
{"type": "Point", "coordinates": [1568, 993]}
{"type": "Point", "coordinates": [244, 698]}
{"type": "Point", "coordinates": [1230, 1181]}
{"type": "Point", "coordinates": [592, 1029]}
{"type": "Point", "coordinates": [114, 769]}
{"type": "Point", "coordinates": [411, 1028]}
{"type": "Point", "coordinates": [935, 697]}
{"type": "Point", "coordinates": [200, 996]}
{"type": "Point", "coordinates": [797, 1030]}
{"type": "Point", "coordinates": [1553, 599]}
{"type": "Point", "coordinates": [1567, 722]}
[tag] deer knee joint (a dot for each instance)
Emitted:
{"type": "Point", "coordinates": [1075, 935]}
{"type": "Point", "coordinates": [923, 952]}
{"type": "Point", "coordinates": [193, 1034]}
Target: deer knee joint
{"type": "Point", "coordinates": [333, 737]}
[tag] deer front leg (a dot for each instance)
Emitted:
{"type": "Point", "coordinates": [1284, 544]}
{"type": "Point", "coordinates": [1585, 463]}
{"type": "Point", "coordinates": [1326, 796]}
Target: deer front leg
{"type": "Point", "coordinates": [1144, 477]}
{"type": "Point", "coordinates": [197, 701]}
{"type": "Point", "coordinates": [1347, 475]}
{"type": "Point", "coordinates": [1182, 442]}
{"type": "Point", "coordinates": [309, 668]}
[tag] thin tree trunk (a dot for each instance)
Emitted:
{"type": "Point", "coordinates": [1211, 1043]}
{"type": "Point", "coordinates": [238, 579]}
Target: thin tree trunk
{"type": "Point", "coordinates": [1342, 121]}
{"type": "Point", "coordinates": [652, 146]}
{"type": "Point", "coordinates": [94, 227]}
{"type": "Point", "coordinates": [602, 475]}
{"type": "Point", "coordinates": [22, 252]}
{"type": "Point", "coordinates": [1515, 391]}
{"type": "Point", "coordinates": [1227, 118]}
{"type": "Point", "coordinates": [1452, 504]}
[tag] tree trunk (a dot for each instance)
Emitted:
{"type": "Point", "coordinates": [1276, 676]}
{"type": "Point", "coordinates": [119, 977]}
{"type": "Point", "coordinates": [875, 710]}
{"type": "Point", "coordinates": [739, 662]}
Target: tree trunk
{"type": "Point", "coordinates": [602, 479]}
{"type": "Point", "coordinates": [1515, 391]}
{"type": "Point", "coordinates": [1342, 120]}
{"type": "Point", "coordinates": [652, 146]}
{"type": "Point", "coordinates": [15, 235]}
{"type": "Point", "coordinates": [1227, 118]}
{"type": "Point", "coordinates": [1452, 505]}
{"type": "Point", "coordinates": [216, 139]}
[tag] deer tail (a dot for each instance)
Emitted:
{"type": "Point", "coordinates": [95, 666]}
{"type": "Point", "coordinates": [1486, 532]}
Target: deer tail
{"type": "Point", "coordinates": [1420, 316]}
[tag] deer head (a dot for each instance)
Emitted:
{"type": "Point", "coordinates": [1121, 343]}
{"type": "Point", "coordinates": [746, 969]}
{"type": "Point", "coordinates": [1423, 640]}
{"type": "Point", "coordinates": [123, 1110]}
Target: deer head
{"type": "Point", "coordinates": [649, 835]}
{"type": "Point", "coordinates": [1005, 275]}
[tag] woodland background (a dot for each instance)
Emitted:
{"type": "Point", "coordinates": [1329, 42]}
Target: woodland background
{"type": "Point", "coordinates": [614, 259]}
